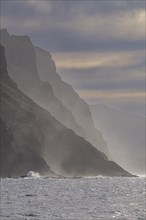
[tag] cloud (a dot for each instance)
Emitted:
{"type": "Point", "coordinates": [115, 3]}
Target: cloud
{"type": "Point", "coordinates": [119, 25]}
{"type": "Point", "coordinates": [27, 24]}
{"type": "Point", "coordinates": [79, 25]}
{"type": "Point", "coordinates": [129, 80]}
{"type": "Point", "coordinates": [95, 59]}
{"type": "Point", "coordinates": [115, 78]}
{"type": "Point", "coordinates": [101, 96]}
{"type": "Point", "coordinates": [40, 6]}
{"type": "Point", "coordinates": [98, 46]}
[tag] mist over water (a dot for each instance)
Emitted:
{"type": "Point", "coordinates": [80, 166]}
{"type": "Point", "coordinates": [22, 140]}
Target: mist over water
{"type": "Point", "coordinates": [125, 135]}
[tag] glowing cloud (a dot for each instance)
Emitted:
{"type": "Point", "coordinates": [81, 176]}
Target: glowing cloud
{"type": "Point", "coordinates": [93, 59]}
{"type": "Point", "coordinates": [112, 96]}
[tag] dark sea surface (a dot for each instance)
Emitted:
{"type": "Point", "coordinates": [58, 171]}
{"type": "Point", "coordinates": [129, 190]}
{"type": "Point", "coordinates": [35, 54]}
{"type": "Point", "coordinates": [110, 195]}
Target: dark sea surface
{"type": "Point", "coordinates": [121, 198]}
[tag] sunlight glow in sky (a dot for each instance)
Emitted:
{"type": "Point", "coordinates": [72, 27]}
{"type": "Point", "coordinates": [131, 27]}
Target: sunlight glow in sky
{"type": "Point", "coordinates": [98, 46]}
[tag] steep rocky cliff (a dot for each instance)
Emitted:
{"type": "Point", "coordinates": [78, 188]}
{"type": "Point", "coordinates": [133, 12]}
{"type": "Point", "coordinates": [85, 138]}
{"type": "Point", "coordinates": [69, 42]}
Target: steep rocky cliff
{"type": "Point", "coordinates": [22, 69]}
{"type": "Point", "coordinates": [31, 139]}
{"type": "Point", "coordinates": [21, 140]}
{"type": "Point", "coordinates": [69, 98]}
{"type": "Point", "coordinates": [50, 92]}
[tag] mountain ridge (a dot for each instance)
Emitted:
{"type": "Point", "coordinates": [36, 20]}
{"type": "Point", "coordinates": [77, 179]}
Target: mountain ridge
{"type": "Point", "coordinates": [33, 140]}
{"type": "Point", "coordinates": [70, 98]}
{"type": "Point", "coordinates": [22, 68]}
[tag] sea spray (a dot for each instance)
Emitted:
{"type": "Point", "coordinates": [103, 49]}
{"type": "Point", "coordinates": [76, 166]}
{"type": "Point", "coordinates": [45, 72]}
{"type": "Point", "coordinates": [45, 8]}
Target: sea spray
{"type": "Point", "coordinates": [33, 174]}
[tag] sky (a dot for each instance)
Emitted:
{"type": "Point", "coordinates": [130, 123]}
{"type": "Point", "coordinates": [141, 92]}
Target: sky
{"type": "Point", "coordinates": [98, 46]}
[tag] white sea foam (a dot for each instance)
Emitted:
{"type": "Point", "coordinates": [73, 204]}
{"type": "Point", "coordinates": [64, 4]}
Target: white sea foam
{"type": "Point", "coordinates": [33, 174]}
{"type": "Point", "coordinates": [142, 176]}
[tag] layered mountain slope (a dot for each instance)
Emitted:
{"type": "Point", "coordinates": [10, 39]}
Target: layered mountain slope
{"type": "Point", "coordinates": [65, 93]}
{"type": "Point", "coordinates": [22, 69]}
{"type": "Point", "coordinates": [31, 139]}
{"type": "Point", "coordinates": [20, 138]}
{"type": "Point", "coordinates": [125, 134]}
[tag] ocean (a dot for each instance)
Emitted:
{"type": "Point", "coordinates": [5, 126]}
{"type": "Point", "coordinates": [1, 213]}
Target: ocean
{"type": "Point", "coordinates": [121, 198]}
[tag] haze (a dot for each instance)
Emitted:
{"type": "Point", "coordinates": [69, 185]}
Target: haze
{"type": "Point", "coordinates": [99, 49]}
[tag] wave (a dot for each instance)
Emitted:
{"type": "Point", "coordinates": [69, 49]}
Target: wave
{"type": "Point", "coordinates": [142, 176]}
{"type": "Point", "coordinates": [33, 174]}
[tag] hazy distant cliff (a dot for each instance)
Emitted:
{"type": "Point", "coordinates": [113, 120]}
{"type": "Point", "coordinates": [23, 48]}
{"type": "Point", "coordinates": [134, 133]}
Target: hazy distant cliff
{"type": "Point", "coordinates": [69, 98]}
{"type": "Point", "coordinates": [31, 139]}
{"type": "Point", "coordinates": [125, 134]}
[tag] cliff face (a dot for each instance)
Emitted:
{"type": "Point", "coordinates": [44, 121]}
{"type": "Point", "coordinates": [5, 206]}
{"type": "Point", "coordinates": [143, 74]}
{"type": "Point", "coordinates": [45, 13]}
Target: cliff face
{"type": "Point", "coordinates": [27, 65]}
{"type": "Point", "coordinates": [31, 139]}
{"type": "Point", "coordinates": [22, 69]}
{"type": "Point", "coordinates": [20, 147]}
{"type": "Point", "coordinates": [125, 133]}
{"type": "Point", "coordinates": [69, 98]}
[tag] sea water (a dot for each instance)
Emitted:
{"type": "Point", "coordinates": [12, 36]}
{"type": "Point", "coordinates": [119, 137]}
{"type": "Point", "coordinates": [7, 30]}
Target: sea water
{"type": "Point", "coordinates": [121, 198]}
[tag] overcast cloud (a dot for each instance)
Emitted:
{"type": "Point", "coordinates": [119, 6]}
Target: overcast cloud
{"type": "Point", "coordinates": [98, 46]}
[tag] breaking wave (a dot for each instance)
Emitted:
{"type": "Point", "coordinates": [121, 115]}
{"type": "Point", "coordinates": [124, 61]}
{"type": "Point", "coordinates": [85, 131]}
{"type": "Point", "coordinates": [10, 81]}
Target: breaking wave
{"type": "Point", "coordinates": [33, 174]}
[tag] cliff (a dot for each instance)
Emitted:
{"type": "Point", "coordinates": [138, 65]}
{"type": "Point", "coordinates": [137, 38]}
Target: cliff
{"type": "Point", "coordinates": [31, 139]}
{"type": "Point", "coordinates": [20, 149]}
{"type": "Point", "coordinates": [22, 68]}
{"type": "Point", "coordinates": [65, 93]}
{"type": "Point", "coordinates": [125, 133]}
